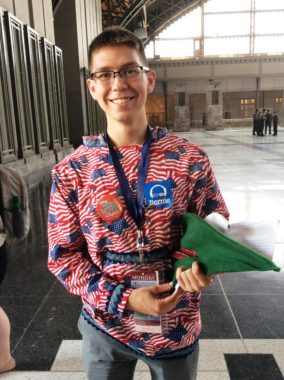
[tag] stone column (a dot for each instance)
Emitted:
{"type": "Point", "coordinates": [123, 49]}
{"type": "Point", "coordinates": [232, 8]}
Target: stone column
{"type": "Point", "coordinates": [182, 111]}
{"type": "Point", "coordinates": [214, 108]}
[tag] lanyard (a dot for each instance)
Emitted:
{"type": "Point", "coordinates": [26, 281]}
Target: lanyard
{"type": "Point", "coordinates": [135, 209]}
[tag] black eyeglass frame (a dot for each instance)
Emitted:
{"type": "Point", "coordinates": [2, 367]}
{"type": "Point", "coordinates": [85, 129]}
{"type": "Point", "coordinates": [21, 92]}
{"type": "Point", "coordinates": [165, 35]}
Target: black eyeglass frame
{"type": "Point", "coordinates": [114, 73]}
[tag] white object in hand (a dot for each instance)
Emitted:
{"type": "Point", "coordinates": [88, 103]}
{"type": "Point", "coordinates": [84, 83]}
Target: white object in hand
{"type": "Point", "coordinates": [218, 221]}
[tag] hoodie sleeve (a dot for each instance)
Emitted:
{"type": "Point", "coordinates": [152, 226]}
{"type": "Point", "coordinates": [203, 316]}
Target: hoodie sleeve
{"type": "Point", "coordinates": [69, 259]}
{"type": "Point", "coordinates": [206, 196]}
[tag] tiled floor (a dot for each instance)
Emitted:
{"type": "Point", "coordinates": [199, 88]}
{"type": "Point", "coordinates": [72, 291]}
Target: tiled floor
{"type": "Point", "coordinates": [243, 314]}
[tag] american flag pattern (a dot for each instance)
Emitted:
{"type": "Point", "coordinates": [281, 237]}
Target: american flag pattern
{"type": "Point", "coordinates": [79, 238]}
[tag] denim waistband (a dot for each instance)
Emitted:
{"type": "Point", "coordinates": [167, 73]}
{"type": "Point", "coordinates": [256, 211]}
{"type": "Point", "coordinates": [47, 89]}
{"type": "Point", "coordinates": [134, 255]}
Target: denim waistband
{"type": "Point", "coordinates": [135, 257]}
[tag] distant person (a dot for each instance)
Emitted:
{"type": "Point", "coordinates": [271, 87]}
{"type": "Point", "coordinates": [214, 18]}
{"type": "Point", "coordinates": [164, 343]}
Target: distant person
{"type": "Point", "coordinates": [204, 119]}
{"type": "Point", "coordinates": [258, 124]}
{"type": "Point", "coordinates": [275, 123]}
{"type": "Point", "coordinates": [255, 122]}
{"type": "Point", "coordinates": [268, 120]}
{"type": "Point", "coordinates": [262, 123]}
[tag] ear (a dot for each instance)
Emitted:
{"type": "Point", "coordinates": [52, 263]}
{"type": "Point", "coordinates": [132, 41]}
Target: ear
{"type": "Point", "coordinates": [92, 88]}
{"type": "Point", "coordinates": [151, 77]}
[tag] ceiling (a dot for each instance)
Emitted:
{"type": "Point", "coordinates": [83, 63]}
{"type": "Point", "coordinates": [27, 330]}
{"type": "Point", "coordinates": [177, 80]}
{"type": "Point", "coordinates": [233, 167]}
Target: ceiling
{"type": "Point", "coordinates": [150, 15]}
{"type": "Point", "coordinates": [154, 15]}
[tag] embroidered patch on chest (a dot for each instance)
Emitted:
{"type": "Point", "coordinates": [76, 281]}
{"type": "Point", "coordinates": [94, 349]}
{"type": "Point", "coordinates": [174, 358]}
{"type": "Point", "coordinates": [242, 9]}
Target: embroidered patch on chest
{"type": "Point", "coordinates": [158, 195]}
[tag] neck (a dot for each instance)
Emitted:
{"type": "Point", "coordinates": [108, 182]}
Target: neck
{"type": "Point", "coordinates": [126, 135]}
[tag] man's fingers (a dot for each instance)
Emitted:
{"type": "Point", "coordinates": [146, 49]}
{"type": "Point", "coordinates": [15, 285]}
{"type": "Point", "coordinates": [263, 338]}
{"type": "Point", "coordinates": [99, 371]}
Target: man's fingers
{"type": "Point", "coordinates": [191, 281]}
{"type": "Point", "coordinates": [195, 268]}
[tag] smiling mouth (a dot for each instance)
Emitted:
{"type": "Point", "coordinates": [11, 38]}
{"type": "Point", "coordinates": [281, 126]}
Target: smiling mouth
{"type": "Point", "coordinates": [122, 100]}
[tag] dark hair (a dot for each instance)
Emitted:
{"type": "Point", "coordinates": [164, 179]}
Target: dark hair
{"type": "Point", "coordinates": [114, 36]}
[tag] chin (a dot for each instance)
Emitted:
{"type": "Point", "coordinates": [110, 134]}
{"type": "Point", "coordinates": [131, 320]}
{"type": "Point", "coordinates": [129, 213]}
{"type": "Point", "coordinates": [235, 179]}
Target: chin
{"type": "Point", "coordinates": [125, 118]}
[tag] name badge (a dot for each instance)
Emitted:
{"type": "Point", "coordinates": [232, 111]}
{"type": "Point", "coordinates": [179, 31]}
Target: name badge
{"type": "Point", "coordinates": [158, 195]}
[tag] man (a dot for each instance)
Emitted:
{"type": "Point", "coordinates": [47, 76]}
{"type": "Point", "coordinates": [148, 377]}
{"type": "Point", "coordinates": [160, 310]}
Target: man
{"type": "Point", "coordinates": [275, 123]}
{"type": "Point", "coordinates": [268, 119]}
{"type": "Point", "coordinates": [114, 221]}
{"type": "Point", "coordinates": [255, 122]}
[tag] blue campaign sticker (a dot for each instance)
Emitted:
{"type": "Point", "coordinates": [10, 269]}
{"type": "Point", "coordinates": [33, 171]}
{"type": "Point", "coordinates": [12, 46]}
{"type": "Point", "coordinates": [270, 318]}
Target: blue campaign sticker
{"type": "Point", "coordinates": [158, 194]}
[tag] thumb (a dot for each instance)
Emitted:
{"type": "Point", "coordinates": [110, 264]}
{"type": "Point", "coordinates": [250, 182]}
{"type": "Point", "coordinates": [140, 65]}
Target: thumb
{"type": "Point", "coordinates": [163, 288]}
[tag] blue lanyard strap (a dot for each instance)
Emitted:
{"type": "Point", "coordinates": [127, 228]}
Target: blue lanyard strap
{"type": "Point", "coordinates": [135, 209]}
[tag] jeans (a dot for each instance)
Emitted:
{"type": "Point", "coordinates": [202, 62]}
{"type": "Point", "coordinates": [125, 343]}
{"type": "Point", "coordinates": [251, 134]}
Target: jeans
{"type": "Point", "coordinates": [107, 359]}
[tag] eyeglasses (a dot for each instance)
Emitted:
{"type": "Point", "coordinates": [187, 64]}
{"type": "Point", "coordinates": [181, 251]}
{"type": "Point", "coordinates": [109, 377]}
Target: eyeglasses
{"type": "Point", "coordinates": [127, 73]}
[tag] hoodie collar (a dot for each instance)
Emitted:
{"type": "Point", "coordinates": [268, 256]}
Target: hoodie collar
{"type": "Point", "coordinates": [99, 141]}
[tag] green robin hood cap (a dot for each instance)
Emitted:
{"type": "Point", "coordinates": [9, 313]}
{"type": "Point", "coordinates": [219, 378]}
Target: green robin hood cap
{"type": "Point", "coordinates": [216, 252]}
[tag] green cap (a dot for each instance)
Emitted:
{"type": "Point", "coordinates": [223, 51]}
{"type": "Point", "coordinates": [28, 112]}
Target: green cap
{"type": "Point", "coordinates": [216, 252]}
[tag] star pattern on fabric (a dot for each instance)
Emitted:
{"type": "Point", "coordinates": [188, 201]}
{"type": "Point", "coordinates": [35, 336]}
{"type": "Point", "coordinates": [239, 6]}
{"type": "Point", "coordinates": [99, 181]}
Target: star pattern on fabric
{"type": "Point", "coordinates": [63, 274]}
{"type": "Point", "coordinates": [57, 252]}
{"type": "Point", "coordinates": [93, 284]}
{"type": "Point", "coordinates": [55, 182]}
{"type": "Point", "coordinates": [196, 167]}
{"type": "Point", "coordinates": [73, 236]}
{"type": "Point", "coordinates": [77, 165]}
{"type": "Point", "coordinates": [73, 196]}
{"type": "Point", "coordinates": [52, 218]}
{"type": "Point", "coordinates": [171, 155]}
{"type": "Point", "coordinates": [210, 206]}
{"type": "Point", "coordinates": [104, 241]}
{"type": "Point", "coordinates": [136, 344]}
{"type": "Point", "coordinates": [201, 183]}
{"type": "Point", "coordinates": [98, 173]}
{"type": "Point", "coordinates": [177, 333]}
{"type": "Point", "coordinates": [117, 226]}
{"type": "Point", "coordinates": [112, 323]}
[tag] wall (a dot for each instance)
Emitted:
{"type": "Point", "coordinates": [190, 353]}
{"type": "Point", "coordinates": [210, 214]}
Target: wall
{"type": "Point", "coordinates": [31, 81]}
{"type": "Point", "coordinates": [35, 13]}
{"type": "Point", "coordinates": [236, 78]}
{"type": "Point", "coordinates": [155, 109]}
{"type": "Point", "coordinates": [76, 24]}
{"type": "Point", "coordinates": [197, 108]}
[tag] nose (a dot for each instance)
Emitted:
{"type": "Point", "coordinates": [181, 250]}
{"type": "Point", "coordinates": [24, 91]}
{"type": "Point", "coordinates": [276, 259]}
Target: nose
{"type": "Point", "coordinates": [116, 74]}
{"type": "Point", "coordinates": [118, 82]}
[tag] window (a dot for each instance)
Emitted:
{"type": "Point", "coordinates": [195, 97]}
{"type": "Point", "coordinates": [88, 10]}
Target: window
{"type": "Point", "coordinates": [248, 101]}
{"type": "Point", "coordinates": [60, 87]}
{"type": "Point", "coordinates": [37, 89]}
{"type": "Point", "coordinates": [8, 138]}
{"type": "Point", "coordinates": [51, 95]}
{"type": "Point", "coordinates": [247, 107]}
{"type": "Point", "coordinates": [181, 99]}
{"type": "Point", "coordinates": [215, 97]}
{"type": "Point", "coordinates": [20, 86]}
{"type": "Point", "coordinates": [229, 28]}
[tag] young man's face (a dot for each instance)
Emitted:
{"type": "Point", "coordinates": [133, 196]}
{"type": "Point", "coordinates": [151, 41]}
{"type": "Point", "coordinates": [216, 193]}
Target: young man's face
{"type": "Point", "coordinates": [122, 99]}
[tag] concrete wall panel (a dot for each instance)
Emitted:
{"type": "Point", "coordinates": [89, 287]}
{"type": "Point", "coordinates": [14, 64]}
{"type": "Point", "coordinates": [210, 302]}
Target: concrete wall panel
{"type": "Point", "coordinates": [8, 5]}
{"type": "Point", "coordinates": [159, 72]}
{"type": "Point", "coordinates": [238, 84]}
{"type": "Point", "coordinates": [48, 20]}
{"type": "Point", "coordinates": [37, 16]}
{"type": "Point", "coordinates": [189, 71]}
{"type": "Point", "coordinates": [272, 68]}
{"type": "Point", "coordinates": [158, 88]}
{"type": "Point", "coordinates": [99, 25]}
{"type": "Point", "coordinates": [268, 83]}
{"type": "Point", "coordinates": [197, 86]}
{"type": "Point", "coordinates": [236, 69]}
{"type": "Point", "coordinates": [22, 10]}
